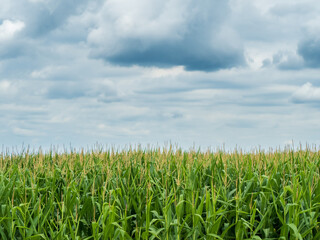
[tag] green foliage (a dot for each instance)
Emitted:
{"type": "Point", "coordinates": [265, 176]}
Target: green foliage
{"type": "Point", "coordinates": [160, 194]}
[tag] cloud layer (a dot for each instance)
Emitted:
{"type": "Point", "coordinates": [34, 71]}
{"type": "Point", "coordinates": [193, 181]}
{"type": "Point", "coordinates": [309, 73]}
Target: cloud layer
{"type": "Point", "coordinates": [236, 72]}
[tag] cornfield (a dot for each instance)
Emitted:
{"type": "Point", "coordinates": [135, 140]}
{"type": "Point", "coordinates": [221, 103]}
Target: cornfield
{"type": "Point", "coordinates": [160, 194]}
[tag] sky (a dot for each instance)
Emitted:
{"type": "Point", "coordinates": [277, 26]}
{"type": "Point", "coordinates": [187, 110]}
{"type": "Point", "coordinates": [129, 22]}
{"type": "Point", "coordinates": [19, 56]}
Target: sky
{"type": "Point", "coordinates": [210, 73]}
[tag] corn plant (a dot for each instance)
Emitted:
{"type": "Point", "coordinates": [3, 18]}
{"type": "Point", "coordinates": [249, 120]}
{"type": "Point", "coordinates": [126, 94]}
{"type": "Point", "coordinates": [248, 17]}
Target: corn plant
{"type": "Point", "coordinates": [160, 194]}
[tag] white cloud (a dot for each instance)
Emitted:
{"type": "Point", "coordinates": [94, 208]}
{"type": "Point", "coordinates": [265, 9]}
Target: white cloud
{"type": "Point", "coordinates": [25, 132]}
{"type": "Point", "coordinates": [155, 72]}
{"type": "Point", "coordinates": [147, 19]}
{"type": "Point", "coordinates": [9, 28]}
{"type": "Point", "coordinates": [47, 71]}
{"type": "Point", "coordinates": [4, 86]}
{"type": "Point", "coordinates": [307, 93]}
{"type": "Point", "coordinates": [7, 90]}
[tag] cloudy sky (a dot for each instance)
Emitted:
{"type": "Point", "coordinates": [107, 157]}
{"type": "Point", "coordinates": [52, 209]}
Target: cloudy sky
{"type": "Point", "coordinates": [206, 73]}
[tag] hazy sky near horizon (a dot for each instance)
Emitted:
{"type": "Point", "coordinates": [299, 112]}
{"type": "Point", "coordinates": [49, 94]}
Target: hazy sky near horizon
{"type": "Point", "coordinates": [236, 72]}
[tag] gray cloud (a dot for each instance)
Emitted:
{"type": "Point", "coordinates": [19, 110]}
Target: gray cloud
{"type": "Point", "coordinates": [12, 50]}
{"type": "Point", "coordinates": [309, 49]}
{"type": "Point", "coordinates": [44, 17]}
{"type": "Point", "coordinates": [286, 60]}
{"type": "Point", "coordinates": [292, 9]}
{"type": "Point", "coordinates": [196, 39]}
{"type": "Point", "coordinates": [182, 53]}
{"type": "Point", "coordinates": [307, 55]}
{"type": "Point", "coordinates": [65, 91]}
{"type": "Point", "coordinates": [42, 25]}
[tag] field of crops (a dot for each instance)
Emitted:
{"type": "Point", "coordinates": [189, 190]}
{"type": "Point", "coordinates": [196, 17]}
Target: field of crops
{"type": "Point", "coordinates": [160, 194]}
